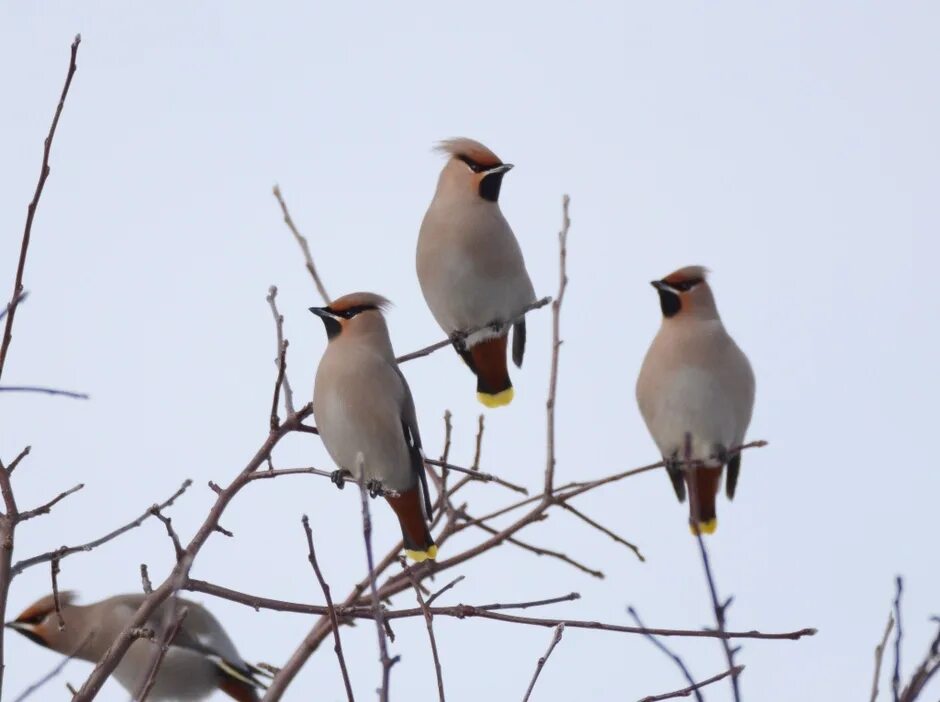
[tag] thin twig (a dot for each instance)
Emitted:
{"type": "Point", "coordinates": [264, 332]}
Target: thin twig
{"type": "Point", "coordinates": [15, 302]}
{"type": "Point", "coordinates": [170, 531]}
{"type": "Point", "coordinates": [17, 296]}
{"type": "Point", "coordinates": [427, 350]}
{"type": "Point", "coordinates": [337, 645]}
{"type": "Point", "coordinates": [604, 530]}
{"type": "Point", "coordinates": [281, 342]}
{"type": "Point", "coordinates": [879, 655]}
{"type": "Point", "coordinates": [556, 346]}
{"type": "Point", "coordinates": [16, 461]}
{"type": "Point", "coordinates": [54, 568]}
{"type": "Point", "coordinates": [304, 246]}
{"type": "Point", "coordinates": [44, 391]}
{"type": "Point", "coordinates": [928, 667]}
{"type": "Point", "coordinates": [444, 589]}
{"type": "Point", "coordinates": [428, 620]}
{"type": "Point", "coordinates": [898, 635]}
{"type": "Point", "coordinates": [477, 475]}
{"type": "Point", "coordinates": [674, 656]}
{"type": "Point", "coordinates": [386, 662]}
{"type": "Point", "coordinates": [145, 579]}
{"type": "Point", "coordinates": [278, 472]}
{"type": "Point", "coordinates": [69, 550]}
{"type": "Point", "coordinates": [47, 507]}
{"type": "Point", "coordinates": [686, 691]}
{"type": "Point", "coordinates": [166, 640]}
{"type": "Point", "coordinates": [556, 637]}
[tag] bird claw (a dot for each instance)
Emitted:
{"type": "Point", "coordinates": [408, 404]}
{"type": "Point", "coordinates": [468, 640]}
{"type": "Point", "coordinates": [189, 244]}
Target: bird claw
{"type": "Point", "coordinates": [375, 488]}
{"type": "Point", "coordinates": [338, 478]}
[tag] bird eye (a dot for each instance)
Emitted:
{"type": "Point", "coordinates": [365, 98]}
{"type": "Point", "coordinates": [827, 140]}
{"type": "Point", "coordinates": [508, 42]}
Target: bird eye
{"type": "Point", "coordinates": [473, 165]}
{"type": "Point", "coordinates": [686, 285]}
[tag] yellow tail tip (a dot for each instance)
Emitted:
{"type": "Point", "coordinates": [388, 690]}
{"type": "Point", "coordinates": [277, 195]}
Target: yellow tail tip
{"type": "Point", "coordinates": [499, 399]}
{"type": "Point", "coordinates": [704, 527]}
{"type": "Point", "coordinates": [421, 556]}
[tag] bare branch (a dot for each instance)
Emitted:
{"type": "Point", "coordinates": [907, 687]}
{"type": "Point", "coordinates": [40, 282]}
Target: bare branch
{"type": "Point", "coordinates": [44, 391]}
{"type": "Point", "coordinates": [474, 474]}
{"type": "Point", "coordinates": [686, 691]}
{"type": "Point", "coordinates": [428, 620]}
{"type": "Point", "coordinates": [16, 461]}
{"type": "Point", "coordinates": [896, 678]}
{"type": "Point", "coordinates": [55, 593]}
{"type": "Point", "coordinates": [384, 658]}
{"type": "Point", "coordinates": [604, 530]}
{"type": "Point", "coordinates": [170, 632]}
{"type": "Point", "coordinates": [18, 295]}
{"type": "Point", "coordinates": [556, 637]}
{"type": "Point", "coordinates": [925, 671]}
{"type": "Point", "coordinates": [444, 589]}
{"type": "Point", "coordinates": [556, 345]}
{"type": "Point", "coordinates": [61, 553]}
{"type": "Point", "coordinates": [675, 657]}
{"type": "Point", "coordinates": [428, 350]}
{"type": "Point", "coordinates": [14, 303]}
{"type": "Point", "coordinates": [281, 343]}
{"type": "Point", "coordinates": [145, 579]}
{"type": "Point", "coordinates": [879, 655]}
{"type": "Point", "coordinates": [338, 645]}
{"type": "Point", "coordinates": [304, 246]}
{"type": "Point", "coordinates": [54, 672]}
{"type": "Point", "coordinates": [170, 531]}
{"type": "Point", "coordinates": [47, 507]}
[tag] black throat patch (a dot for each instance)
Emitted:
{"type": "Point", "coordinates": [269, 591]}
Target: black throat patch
{"type": "Point", "coordinates": [669, 302]}
{"type": "Point", "coordinates": [333, 327]}
{"type": "Point", "coordinates": [490, 185]}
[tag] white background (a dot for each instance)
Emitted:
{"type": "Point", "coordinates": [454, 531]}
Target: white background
{"type": "Point", "coordinates": [790, 147]}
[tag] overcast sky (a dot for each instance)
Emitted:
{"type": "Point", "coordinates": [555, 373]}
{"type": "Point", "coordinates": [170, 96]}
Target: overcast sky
{"type": "Point", "coordinates": [790, 147]}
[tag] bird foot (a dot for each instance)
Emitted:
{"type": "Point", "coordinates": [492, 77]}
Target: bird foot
{"type": "Point", "coordinates": [338, 477]}
{"type": "Point", "coordinates": [720, 453]}
{"type": "Point", "coordinates": [375, 488]}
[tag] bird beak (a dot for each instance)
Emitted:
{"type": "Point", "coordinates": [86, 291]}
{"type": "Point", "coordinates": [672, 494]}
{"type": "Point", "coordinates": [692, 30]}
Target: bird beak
{"type": "Point", "coordinates": [501, 168]}
{"type": "Point", "coordinates": [661, 285]}
{"type": "Point", "coordinates": [321, 312]}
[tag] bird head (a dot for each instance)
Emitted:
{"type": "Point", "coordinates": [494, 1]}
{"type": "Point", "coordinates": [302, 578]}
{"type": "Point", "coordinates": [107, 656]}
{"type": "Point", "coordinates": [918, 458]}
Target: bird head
{"type": "Point", "coordinates": [39, 622]}
{"type": "Point", "coordinates": [685, 292]}
{"type": "Point", "coordinates": [352, 312]}
{"type": "Point", "coordinates": [472, 169]}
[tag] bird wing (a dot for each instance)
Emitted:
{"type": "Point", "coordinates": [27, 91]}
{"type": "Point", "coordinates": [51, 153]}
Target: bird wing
{"type": "Point", "coordinates": [409, 425]}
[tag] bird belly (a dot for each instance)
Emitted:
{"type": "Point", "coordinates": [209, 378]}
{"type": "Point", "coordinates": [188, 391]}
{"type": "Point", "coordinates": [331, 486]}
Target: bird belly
{"type": "Point", "coordinates": [184, 675]}
{"type": "Point", "coordinates": [693, 403]}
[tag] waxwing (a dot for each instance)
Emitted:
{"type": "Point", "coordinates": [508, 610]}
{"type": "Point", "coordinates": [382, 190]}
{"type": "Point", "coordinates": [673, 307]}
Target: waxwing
{"type": "Point", "coordinates": [471, 268]}
{"type": "Point", "coordinates": [364, 412]}
{"type": "Point", "coordinates": [695, 386]}
{"type": "Point", "coordinates": [201, 658]}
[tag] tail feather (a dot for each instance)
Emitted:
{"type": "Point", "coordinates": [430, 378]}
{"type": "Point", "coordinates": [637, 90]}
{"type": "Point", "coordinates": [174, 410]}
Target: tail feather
{"type": "Point", "coordinates": [703, 488]}
{"type": "Point", "coordinates": [494, 388]}
{"type": "Point", "coordinates": [419, 544]}
{"type": "Point", "coordinates": [240, 685]}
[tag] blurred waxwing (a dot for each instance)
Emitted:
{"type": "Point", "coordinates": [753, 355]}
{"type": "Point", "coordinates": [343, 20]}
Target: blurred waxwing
{"type": "Point", "coordinates": [201, 658]}
{"type": "Point", "coordinates": [471, 268]}
{"type": "Point", "coordinates": [364, 411]}
{"type": "Point", "coordinates": [695, 382]}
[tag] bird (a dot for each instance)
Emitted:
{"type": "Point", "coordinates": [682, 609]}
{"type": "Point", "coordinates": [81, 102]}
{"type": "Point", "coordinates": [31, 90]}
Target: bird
{"type": "Point", "coordinates": [200, 659]}
{"type": "Point", "coordinates": [471, 269]}
{"type": "Point", "coordinates": [696, 394]}
{"type": "Point", "coordinates": [365, 414]}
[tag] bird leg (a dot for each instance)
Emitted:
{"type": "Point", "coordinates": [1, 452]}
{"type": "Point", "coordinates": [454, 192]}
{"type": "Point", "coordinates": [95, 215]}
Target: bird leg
{"type": "Point", "coordinates": [720, 453]}
{"type": "Point", "coordinates": [375, 488]}
{"type": "Point", "coordinates": [338, 477]}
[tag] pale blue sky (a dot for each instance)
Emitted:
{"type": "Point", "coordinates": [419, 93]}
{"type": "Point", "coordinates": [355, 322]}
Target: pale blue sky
{"type": "Point", "coordinates": [790, 147]}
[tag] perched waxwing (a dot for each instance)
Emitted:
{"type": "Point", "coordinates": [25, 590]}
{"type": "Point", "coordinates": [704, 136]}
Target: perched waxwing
{"type": "Point", "coordinates": [363, 408]}
{"type": "Point", "coordinates": [695, 382]}
{"type": "Point", "coordinates": [471, 268]}
{"type": "Point", "coordinates": [201, 658]}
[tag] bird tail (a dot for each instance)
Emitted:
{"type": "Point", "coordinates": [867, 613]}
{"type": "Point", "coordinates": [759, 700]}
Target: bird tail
{"type": "Point", "coordinates": [238, 684]}
{"type": "Point", "coordinates": [419, 544]}
{"type": "Point", "coordinates": [703, 488]}
{"type": "Point", "coordinates": [494, 388]}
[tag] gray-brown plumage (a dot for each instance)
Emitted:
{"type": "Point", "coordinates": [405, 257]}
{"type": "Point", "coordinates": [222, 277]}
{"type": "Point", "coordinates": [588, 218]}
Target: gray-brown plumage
{"type": "Point", "coordinates": [695, 382]}
{"type": "Point", "coordinates": [362, 405]}
{"type": "Point", "coordinates": [471, 268]}
{"type": "Point", "coordinates": [200, 659]}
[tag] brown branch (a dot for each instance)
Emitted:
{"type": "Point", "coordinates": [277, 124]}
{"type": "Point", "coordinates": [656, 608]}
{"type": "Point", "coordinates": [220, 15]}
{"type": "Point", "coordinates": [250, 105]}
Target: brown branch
{"type": "Point", "coordinates": [278, 472]}
{"type": "Point", "coordinates": [879, 655]}
{"type": "Point", "coordinates": [338, 645]}
{"type": "Point", "coordinates": [17, 296]}
{"type": "Point", "coordinates": [674, 656]}
{"type": "Point", "coordinates": [604, 530]}
{"type": "Point", "coordinates": [16, 461]}
{"type": "Point", "coordinates": [490, 611]}
{"type": "Point", "coordinates": [384, 658]}
{"type": "Point", "coordinates": [170, 632]}
{"type": "Point", "coordinates": [925, 671]}
{"type": "Point", "coordinates": [428, 620]}
{"type": "Point", "coordinates": [47, 507]}
{"type": "Point", "coordinates": [556, 637]}
{"type": "Point", "coordinates": [304, 246]}
{"type": "Point", "coordinates": [556, 346]}
{"type": "Point", "coordinates": [145, 579]}
{"type": "Point", "coordinates": [281, 341]}
{"type": "Point", "coordinates": [15, 302]}
{"type": "Point", "coordinates": [896, 678]}
{"type": "Point", "coordinates": [178, 576]}
{"type": "Point", "coordinates": [717, 606]}
{"type": "Point", "coordinates": [444, 589]}
{"type": "Point", "coordinates": [281, 370]}
{"type": "Point", "coordinates": [428, 350]}
{"type": "Point", "coordinates": [474, 474]}
{"type": "Point", "coordinates": [686, 691]}
{"type": "Point", "coordinates": [61, 553]}
{"type": "Point", "coordinates": [170, 531]}
{"type": "Point", "coordinates": [44, 391]}
{"type": "Point", "coordinates": [54, 568]}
